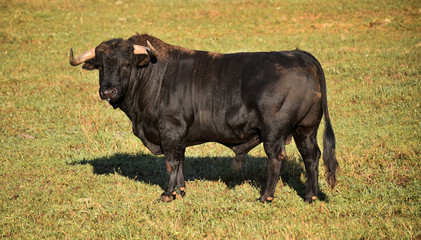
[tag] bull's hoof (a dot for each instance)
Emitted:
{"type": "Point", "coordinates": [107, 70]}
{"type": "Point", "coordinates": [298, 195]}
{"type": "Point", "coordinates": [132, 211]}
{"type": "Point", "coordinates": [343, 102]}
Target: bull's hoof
{"type": "Point", "coordinates": [165, 198]}
{"type": "Point", "coordinates": [177, 196]}
{"type": "Point", "coordinates": [264, 199]}
{"type": "Point", "coordinates": [182, 192]}
{"type": "Point", "coordinates": [311, 199]}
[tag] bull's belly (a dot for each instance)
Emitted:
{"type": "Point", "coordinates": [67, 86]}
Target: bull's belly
{"type": "Point", "coordinates": [224, 134]}
{"type": "Point", "coordinates": [199, 134]}
{"type": "Point", "coordinates": [230, 126]}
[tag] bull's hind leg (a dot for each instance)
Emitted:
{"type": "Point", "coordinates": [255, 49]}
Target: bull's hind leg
{"type": "Point", "coordinates": [274, 139]}
{"type": "Point", "coordinates": [306, 141]}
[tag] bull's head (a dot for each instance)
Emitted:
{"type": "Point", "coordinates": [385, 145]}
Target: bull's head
{"type": "Point", "coordinates": [116, 60]}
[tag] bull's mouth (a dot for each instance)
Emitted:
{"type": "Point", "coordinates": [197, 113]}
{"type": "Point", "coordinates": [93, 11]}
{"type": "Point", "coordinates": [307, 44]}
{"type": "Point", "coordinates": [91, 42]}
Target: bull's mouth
{"type": "Point", "coordinates": [115, 103]}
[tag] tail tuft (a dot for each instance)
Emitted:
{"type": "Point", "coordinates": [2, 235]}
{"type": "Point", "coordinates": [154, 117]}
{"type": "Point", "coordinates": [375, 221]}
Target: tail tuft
{"type": "Point", "coordinates": [329, 156]}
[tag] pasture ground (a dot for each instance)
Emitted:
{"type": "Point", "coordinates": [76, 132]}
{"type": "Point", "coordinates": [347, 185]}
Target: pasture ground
{"type": "Point", "coordinates": [70, 168]}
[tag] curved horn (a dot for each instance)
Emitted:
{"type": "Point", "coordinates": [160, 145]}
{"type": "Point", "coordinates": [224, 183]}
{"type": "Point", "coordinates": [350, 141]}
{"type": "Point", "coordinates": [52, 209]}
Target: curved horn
{"type": "Point", "coordinates": [153, 51]}
{"type": "Point", "coordinates": [138, 49]}
{"type": "Point", "coordinates": [149, 50]}
{"type": "Point", "coordinates": [82, 57]}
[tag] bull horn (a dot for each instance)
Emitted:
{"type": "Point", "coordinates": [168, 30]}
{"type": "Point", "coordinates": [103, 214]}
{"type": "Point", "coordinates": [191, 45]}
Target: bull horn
{"type": "Point", "coordinates": [82, 57]}
{"type": "Point", "coordinates": [149, 50]}
{"type": "Point", "coordinates": [152, 50]}
{"type": "Point", "coordinates": [138, 49]}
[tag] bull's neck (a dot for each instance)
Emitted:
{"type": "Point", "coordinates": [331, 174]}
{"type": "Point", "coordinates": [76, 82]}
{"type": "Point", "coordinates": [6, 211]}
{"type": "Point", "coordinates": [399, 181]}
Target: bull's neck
{"type": "Point", "coordinates": [144, 89]}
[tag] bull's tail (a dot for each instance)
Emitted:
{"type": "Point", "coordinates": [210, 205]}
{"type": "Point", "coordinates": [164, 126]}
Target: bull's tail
{"type": "Point", "coordinates": [329, 157]}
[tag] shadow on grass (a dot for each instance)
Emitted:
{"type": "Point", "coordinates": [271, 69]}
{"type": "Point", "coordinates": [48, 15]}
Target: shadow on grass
{"type": "Point", "coordinates": [151, 169]}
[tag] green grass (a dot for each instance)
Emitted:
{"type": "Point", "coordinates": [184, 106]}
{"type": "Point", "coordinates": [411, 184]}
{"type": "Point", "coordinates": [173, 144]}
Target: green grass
{"type": "Point", "coordinates": [71, 168]}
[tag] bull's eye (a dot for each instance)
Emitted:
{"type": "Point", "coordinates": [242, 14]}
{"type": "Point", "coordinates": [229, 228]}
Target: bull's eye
{"type": "Point", "coordinates": [127, 64]}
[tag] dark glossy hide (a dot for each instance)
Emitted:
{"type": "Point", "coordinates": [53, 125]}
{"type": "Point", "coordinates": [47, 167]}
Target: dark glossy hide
{"type": "Point", "coordinates": [183, 97]}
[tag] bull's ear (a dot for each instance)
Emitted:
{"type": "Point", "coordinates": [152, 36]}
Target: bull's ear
{"type": "Point", "coordinates": [90, 65]}
{"type": "Point", "coordinates": [142, 59]}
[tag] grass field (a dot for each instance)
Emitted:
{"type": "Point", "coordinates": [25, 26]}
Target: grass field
{"type": "Point", "coordinates": [70, 168]}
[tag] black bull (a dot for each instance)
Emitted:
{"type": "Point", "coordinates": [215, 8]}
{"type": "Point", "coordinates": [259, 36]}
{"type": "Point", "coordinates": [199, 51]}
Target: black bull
{"type": "Point", "coordinates": [176, 97]}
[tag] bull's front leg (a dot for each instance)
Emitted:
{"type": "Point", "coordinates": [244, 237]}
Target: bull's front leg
{"type": "Point", "coordinates": [181, 184]}
{"type": "Point", "coordinates": [174, 159]}
{"type": "Point", "coordinates": [171, 130]}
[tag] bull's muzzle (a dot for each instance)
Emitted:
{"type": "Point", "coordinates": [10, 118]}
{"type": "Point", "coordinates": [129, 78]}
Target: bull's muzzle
{"type": "Point", "coordinates": [108, 94]}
